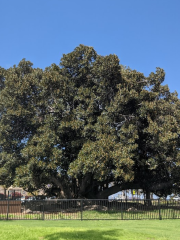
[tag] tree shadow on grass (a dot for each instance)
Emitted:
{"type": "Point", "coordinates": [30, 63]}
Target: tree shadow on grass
{"type": "Point", "coordinates": [87, 235]}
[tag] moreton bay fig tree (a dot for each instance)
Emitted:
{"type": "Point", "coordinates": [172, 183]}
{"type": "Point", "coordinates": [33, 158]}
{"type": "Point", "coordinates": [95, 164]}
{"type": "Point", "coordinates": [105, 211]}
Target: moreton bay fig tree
{"type": "Point", "coordinates": [89, 127]}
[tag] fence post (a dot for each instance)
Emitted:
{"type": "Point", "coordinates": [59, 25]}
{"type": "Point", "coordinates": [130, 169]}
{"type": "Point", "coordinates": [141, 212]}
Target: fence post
{"type": "Point", "coordinates": [43, 211]}
{"type": "Point", "coordinates": [121, 211]}
{"type": "Point", "coordinates": [7, 207]}
{"type": "Point", "coordinates": [81, 209]}
{"type": "Point", "coordinates": [174, 209]}
{"type": "Point", "coordinates": [160, 217]}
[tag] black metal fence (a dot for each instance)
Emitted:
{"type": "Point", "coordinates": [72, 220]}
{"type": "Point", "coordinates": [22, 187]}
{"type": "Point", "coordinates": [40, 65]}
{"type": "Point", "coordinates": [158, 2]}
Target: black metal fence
{"type": "Point", "coordinates": [87, 209]}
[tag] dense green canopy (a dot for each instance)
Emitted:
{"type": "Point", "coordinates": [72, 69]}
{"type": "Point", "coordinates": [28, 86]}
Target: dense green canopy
{"type": "Point", "coordinates": [89, 127]}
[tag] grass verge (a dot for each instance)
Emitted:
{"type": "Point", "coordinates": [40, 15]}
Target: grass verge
{"type": "Point", "coordinates": [90, 230]}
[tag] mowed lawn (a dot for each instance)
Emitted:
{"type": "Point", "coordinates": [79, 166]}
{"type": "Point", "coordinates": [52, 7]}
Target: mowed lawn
{"type": "Point", "coordinates": [91, 230]}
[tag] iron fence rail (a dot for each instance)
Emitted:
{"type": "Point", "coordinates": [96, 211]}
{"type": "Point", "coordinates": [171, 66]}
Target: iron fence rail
{"type": "Point", "coordinates": [89, 209]}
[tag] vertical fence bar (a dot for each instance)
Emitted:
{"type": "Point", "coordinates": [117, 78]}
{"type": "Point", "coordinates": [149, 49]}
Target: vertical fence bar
{"type": "Point", "coordinates": [43, 210]}
{"type": "Point", "coordinates": [121, 211]}
{"type": "Point", "coordinates": [4, 194]}
{"type": "Point", "coordinates": [160, 218]}
{"type": "Point", "coordinates": [81, 209]}
{"type": "Point", "coordinates": [7, 207]}
{"type": "Point", "coordinates": [173, 216]}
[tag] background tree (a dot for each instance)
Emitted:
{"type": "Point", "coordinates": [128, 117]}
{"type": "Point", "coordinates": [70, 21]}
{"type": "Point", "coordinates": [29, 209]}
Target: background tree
{"type": "Point", "coordinates": [88, 128]}
{"type": "Point", "coordinates": [17, 112]}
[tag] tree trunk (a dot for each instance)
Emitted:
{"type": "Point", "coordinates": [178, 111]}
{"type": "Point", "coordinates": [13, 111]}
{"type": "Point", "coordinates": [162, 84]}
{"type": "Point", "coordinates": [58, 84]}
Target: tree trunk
{"type": "Point", "coordinates": [65, 189]}
{"type": "Point", "coordinates": [84, 186]}
{"type": "Point", "coordinates": [148, 198]}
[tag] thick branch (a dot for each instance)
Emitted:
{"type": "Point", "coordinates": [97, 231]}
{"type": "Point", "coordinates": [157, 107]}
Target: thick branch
{"type": "Point", "coordinates": [160, 186]}
{"type": "Point", "coordinates": [119, 187]}
{"type": "Point", "coordinates": [130, 185]}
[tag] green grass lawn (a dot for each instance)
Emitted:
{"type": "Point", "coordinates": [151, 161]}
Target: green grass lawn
{"type": "Point", "coordinates": [90, 230]}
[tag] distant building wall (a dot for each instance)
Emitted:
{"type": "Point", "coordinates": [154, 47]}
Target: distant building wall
{"type": "Point", "coordinates": [10, 206]}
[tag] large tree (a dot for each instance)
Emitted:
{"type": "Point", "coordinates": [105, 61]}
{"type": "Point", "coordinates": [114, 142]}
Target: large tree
{"type": "Point", "coordinates": [88, 128]}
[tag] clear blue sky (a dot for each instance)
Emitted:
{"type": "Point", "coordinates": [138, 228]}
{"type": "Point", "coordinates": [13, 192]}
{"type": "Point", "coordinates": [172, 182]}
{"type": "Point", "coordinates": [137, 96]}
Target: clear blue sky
{"type": "Point", "coordinates": [145, 34]}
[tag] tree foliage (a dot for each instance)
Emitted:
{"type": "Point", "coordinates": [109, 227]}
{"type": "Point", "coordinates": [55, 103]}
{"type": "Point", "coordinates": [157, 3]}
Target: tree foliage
{"type": "Point", "coordinates": [89, 127]}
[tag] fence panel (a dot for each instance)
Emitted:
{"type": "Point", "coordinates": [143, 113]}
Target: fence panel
{"type": "Point", "coordinates": [101, 209]}
{"type": "Point", "coordinates": [89, 209]}
{"type": "Point", "coordinates": [62, 209]}
{"type": "Point", "coordinates": [170, 209]}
